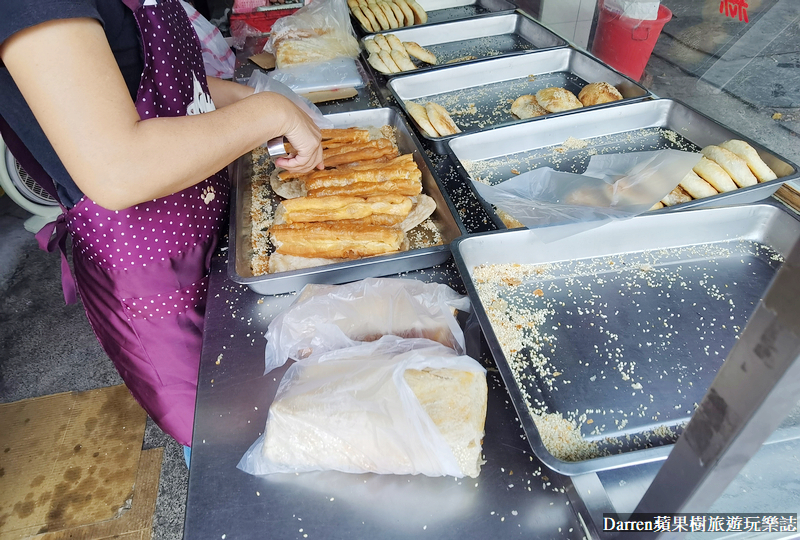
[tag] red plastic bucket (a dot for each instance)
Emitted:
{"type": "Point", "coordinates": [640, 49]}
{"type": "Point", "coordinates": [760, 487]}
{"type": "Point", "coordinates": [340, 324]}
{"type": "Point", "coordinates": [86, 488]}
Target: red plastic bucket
{"type": "Point", "coordinates": [626, 44]}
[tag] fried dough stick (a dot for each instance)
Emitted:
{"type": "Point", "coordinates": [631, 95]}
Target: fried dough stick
{"type": "Point", "coordinates": [340, 240]}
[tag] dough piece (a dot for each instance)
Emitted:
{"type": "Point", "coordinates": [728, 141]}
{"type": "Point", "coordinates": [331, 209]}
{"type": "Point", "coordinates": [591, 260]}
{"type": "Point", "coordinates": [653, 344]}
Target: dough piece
{"type": "Point", "coordinates": [597, 93]}
{"type": "Point", "coordinates": [408, 14]}
{"type": "Point", "coordinates": [697, 187]}
{"type": "Point", "coordinates": [376, 27]}
{"type": "Point", "coordinates": [362, 18]}
{"type": "Point", "coordinates": [382, 42]}
{"type": "Point", "coordinates": [527, 107]}
{"type": "Point", "coordinates": [420, 116]}
{"type": "Point", "coordinates": [377, 12]}
{"type": "Point", "coordinates": [423, 209]}
{"type": "Point", "coordinates": [336, 240]}
{"type": "Point", "coordinates": [556, 99]}
{"type": "Point", "coordinates": [420, 53]}
{"type": "Point", "coordinates": [402, 60]}
{"type": "Point", "coordinates": [735, 166]}
{"type": "Point", "coordinates": [398, 14]}
{"type": "Point", "coordinates": [676, 196]}
{"type": "Point", "coordinates": [760, 169]}
{"type": "Point", "coordinates": [376, 62]}
{"type": "Point", "coordinates": [394, 43]}
{"type": "Point", "coordinates": [657, 206]}
{"type": "Point", "coordinates": [420, 15]}
{"type": "Point", "coordinates": [389, 14]}
{"type": "Point", "coordinates": [371, 46]}
{"type": "Point", "coordinates": [715, 175]}
{"type": "Point", "coordinates": [390, 63]}
{"type": "Point", "coordinates": [440, 119]}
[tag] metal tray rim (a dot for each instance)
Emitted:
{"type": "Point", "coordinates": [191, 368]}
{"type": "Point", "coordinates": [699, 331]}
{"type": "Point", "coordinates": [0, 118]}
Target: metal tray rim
{"type": "Point", "coordinates": [602, 463]}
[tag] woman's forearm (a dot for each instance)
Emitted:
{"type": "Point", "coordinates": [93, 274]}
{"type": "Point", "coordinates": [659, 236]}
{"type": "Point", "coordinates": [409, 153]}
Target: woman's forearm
{"type": "Point", "coordinates": [114, 157]}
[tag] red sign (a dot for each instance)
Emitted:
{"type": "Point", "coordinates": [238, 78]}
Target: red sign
{"type": "Point", "coordinates": [732, 8]}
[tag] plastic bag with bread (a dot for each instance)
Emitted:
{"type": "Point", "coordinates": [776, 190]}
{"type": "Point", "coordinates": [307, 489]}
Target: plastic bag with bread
{"type": "Point", "coordinates": [328, 317]}
{"type": "Point", "coordinates": [393, 406]}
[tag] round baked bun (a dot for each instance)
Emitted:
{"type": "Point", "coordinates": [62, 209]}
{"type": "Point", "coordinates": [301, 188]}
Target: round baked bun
{"type": "Point", "coordinates": [556, 99]}
{"type": "Point", "coordinates": [597, 93]}
{"type": "Point", "coordinates": [527, 107]}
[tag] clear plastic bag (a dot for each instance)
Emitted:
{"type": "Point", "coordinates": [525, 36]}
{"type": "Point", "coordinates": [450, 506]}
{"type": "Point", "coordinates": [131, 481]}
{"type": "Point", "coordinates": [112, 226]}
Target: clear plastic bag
{"type": "Point", "coordinates": [352, 410]}
{"type": "Point", "coordinates": [218, 58]}
{"type": "Point", "coordinates": [328, 317]}
{"type": "Point", "coordinates": [614, 186]}
{"type": "Point", "coordinates": [262, 82]}
{"type": "Point", "coordinates": [317, 32]}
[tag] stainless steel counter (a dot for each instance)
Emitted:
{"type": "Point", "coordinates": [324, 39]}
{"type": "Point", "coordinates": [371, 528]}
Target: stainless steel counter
{"type": "Point", "coordinates": [514, 496]}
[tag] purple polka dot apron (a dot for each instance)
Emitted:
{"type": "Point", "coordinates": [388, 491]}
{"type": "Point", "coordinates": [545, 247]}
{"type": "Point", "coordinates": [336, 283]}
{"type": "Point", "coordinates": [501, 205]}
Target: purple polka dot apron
{"type": "Point", "coordinates": [142, 273]}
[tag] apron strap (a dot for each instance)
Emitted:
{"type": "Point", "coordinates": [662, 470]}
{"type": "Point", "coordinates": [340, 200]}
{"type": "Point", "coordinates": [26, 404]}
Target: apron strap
{"type": "Point", "coordinates": [48, 241]}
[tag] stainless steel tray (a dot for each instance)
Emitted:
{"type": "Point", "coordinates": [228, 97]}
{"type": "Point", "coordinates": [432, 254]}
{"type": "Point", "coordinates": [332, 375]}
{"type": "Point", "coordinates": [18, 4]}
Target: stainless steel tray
{"type": "Point", "coordinates": [452, 10]}
{"type": "Point", "coordinates": [631, 321]}
{"type": "Point", "coordinates": [648, 125]}
{"type": "Point", "coordinates": [458, 42]}
{"type": "Point", "coordinates": [478, 95]}
{"type": "Point", "coordinates": [240, 254]}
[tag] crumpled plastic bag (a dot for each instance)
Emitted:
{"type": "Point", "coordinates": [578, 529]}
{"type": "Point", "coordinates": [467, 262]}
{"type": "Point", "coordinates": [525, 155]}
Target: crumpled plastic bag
{"type": "Point", "coordinates": [614, 186]}
{"type": "Point", "coordinates": [328, 317]}
{"type": "Point", "coordinates": [317, 32]}
{"type": "Point", "coordinates": [352, 410]}
{"type": "Point", "coordinates": [218, 58]}
{"type": "Point", "coordinates": [262, 82]}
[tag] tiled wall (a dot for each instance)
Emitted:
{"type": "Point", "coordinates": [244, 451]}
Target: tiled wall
{"type": "Point", "coordinates": [571, 19]}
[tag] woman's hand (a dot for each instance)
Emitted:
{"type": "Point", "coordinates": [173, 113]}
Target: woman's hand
{"type": "Point", "coordinates": [305, 137]}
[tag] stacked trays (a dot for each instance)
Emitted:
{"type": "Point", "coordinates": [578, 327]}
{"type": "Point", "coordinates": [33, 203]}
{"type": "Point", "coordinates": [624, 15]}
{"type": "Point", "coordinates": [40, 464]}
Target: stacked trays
{"type": "Point", "coordinates": [495, 156]}
{"type": "Point", "coordinates": [239, 257]}
{"type": "Point", "coordinates": [478, 95]}
{"type": "Point", "coordinates": [457, 42]}
{"type": "Point", "coordinates": [608, 340]}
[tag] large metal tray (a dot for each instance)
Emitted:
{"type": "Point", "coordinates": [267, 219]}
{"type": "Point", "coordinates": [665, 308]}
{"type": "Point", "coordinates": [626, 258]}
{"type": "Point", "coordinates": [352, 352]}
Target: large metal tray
{"type": "Point", "coordinates": [500, 154]}
{"type": "Point", "coordinates": [240, 254]}
{"type": "Point", "coordinates": [452, 10]}
{"type": "Point", "coordinates": [478, 95]}
{"type": "Point", "coordinates": [458, 42]}
{"type": "Point", "coordinates": [635, 318]}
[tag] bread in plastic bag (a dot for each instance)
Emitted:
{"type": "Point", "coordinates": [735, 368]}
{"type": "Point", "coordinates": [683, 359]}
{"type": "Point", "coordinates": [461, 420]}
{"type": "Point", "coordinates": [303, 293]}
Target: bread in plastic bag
{"type": "Point", "coordinates": [614, 186]}
{"type": "Point", "coordinates": [328, 317]}
{"type": "Point", "coordinates": [317, 32]}
{"type": "Point", "coordinates": [392, 406]}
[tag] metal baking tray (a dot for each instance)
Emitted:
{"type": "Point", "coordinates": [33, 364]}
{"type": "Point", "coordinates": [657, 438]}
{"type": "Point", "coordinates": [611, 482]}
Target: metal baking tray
{"type": "Point", "coordinates": [453, 10]}
{"type": "Point", "coordinates": [622, 328]}
{"type": "Point", "coordinates": [648, 125]}
{"type": "Point", "coordinates": [458, 42]}
{"type": "Point", "coordinates": [478, 95]}
{"type": "Point", "coordinates": [443, 219]}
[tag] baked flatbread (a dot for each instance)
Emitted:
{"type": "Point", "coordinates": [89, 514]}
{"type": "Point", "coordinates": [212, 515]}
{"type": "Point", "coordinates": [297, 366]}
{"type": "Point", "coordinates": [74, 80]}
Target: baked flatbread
{"type": "Point", "coordinates": [422, 210]}
{"type": "Point", "coordinates": [696, 186]}
{"type": "Point", "coordinates": [676, 196]}
{"type": "Point", "coordinates": [372, 46]}
{"type": "Point", "coordinates": [440, 119]}
{"type": "Point", "coordinates": [735, 166]}
{"type": "Point", "coordinates": [757, 166]}
{"type": "Point", "coordinates": [420, 53]}
{"type": "Point", "coordinates": [402, 60]}
{"type": "Point", "coordinates": [420, 116]}
{"type": "Point", "coordinates": [597, 93]}
{"type": "Point", "coordinates": [527, 107]}
{"type": "Point", "coordinates": [715, 175]}
{"type": "Point", "coordinates": [556, 99]}
{"type": "Point", "coordinates": [376, 62]}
